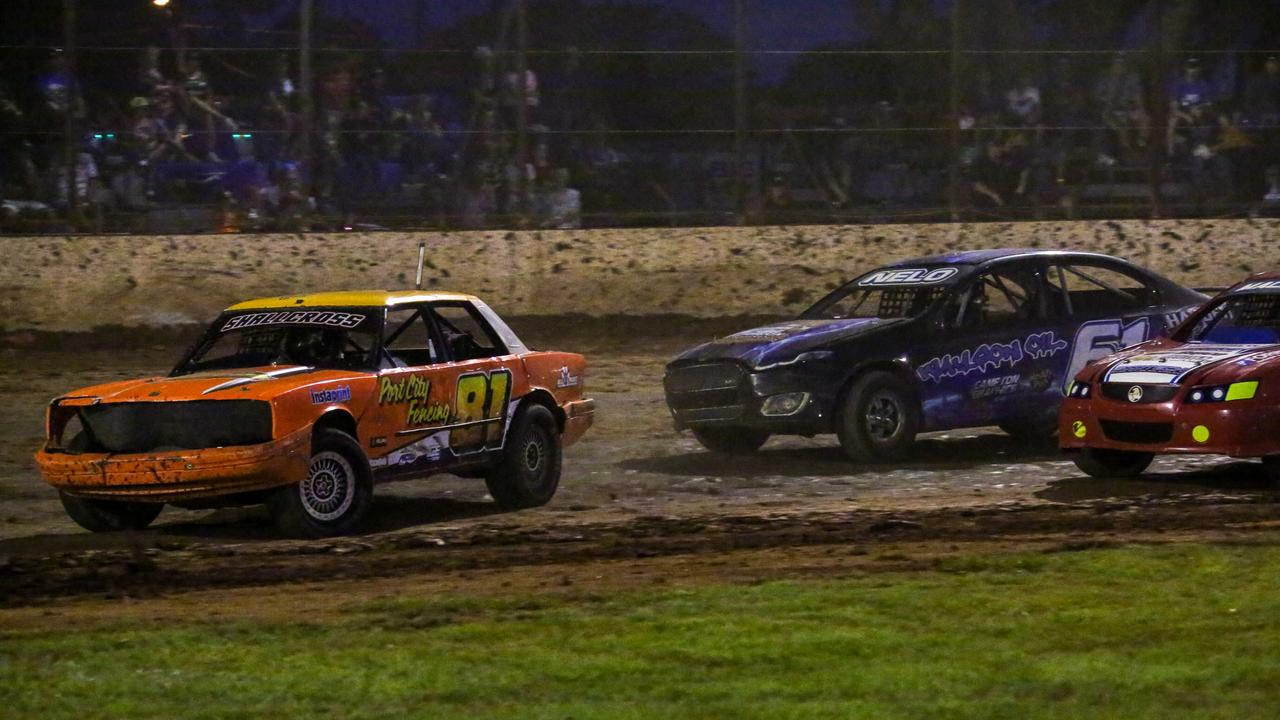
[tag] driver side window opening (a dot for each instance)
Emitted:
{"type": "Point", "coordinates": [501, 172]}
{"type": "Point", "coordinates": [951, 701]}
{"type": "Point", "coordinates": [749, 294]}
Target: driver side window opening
{"type": "Point", "coordinates": [1000, 298]}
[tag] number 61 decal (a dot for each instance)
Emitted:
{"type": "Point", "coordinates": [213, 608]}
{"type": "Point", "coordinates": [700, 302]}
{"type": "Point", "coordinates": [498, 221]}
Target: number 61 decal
{"type": "Point", "coordinates": [482, 399]}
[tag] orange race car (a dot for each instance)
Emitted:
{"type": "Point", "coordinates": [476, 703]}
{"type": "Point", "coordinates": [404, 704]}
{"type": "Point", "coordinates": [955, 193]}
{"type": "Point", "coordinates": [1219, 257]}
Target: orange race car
{"type": "Point", "coordinates": [304, 402]}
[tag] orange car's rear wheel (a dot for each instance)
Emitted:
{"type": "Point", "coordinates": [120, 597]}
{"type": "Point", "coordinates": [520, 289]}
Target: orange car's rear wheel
{"type": "Point", "coordinates": [109, 515]}
{"type": "Point", "coordinates": [334, 495]}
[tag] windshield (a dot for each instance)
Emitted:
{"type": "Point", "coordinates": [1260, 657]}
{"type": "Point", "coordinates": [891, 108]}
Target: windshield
{"type": "Point", "coordinates": [1238, 320]}
{"type": "Point", "coordinates": [339, 339]}
{"type": "Point", "coordinates": [886, 294]}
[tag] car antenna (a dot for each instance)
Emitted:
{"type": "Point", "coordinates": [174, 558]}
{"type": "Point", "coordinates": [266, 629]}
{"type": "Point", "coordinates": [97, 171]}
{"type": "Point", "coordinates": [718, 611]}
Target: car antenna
{"type": "Point", "coordinates": [422, 256]}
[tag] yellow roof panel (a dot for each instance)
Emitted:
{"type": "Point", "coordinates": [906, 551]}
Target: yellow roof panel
{"type": "Point", "coordinates": [350, 298]}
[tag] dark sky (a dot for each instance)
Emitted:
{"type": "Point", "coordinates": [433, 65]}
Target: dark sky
{"type": "Point", "coordinates": [773, 24]}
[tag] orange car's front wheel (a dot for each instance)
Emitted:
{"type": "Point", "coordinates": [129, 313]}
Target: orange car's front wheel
{"type": "Point", "coordinates": [334, 495]}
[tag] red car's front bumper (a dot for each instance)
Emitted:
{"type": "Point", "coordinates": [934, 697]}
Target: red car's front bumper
{"type": "Point", "coordinates": [1240, 428]}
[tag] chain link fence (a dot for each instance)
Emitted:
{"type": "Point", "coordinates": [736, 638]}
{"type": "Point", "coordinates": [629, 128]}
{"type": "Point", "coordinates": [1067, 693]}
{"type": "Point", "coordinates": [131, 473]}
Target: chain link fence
{"type": "Point", "coordinates": [147, 116]}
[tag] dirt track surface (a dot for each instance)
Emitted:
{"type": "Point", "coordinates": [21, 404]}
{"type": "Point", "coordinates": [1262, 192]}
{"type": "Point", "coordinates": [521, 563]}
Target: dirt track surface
{"type": "Point", "coordinates": [634, 495]}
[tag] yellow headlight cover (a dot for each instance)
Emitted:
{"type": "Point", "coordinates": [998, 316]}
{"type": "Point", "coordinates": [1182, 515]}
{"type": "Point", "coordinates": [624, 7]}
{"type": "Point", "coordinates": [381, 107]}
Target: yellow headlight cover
{"type": "Point", "coordinates": [1242, 390]}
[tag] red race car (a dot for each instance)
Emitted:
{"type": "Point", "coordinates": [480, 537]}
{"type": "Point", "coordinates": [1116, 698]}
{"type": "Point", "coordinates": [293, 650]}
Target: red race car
{"type": "Point", "coordinates": [1212, 386]}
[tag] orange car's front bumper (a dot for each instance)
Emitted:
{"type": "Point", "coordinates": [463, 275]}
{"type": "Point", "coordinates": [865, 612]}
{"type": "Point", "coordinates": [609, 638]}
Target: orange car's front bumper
{"type": "Point", "coordinates": [578, 418]}
{"type": "Point", "coordinates": [179, 475]}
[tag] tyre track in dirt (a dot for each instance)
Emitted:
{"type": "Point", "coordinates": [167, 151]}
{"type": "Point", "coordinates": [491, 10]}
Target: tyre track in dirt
{"type": "Point", "coordinates": [149, 568]}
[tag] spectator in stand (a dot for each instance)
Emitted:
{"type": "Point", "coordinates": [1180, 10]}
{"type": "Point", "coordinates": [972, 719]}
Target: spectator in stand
{"type": "Point", "coordinates": [150, 78]}
{"type": "Point", "coordinates": [1022, 102]}
{"type": "Point", "coordinates": [202, 108]}
{"type": "Point", "coordinates": [991, 178]}
{"type": "Point", "coordinates": [511, 93]}
{"type": "Point", "coordinates": [1190, 100]}
{"type": "Point", "coordinates": [1191, 89]}
{"type": "Point", "coordinates": [1270, 205]}
{"type": "Point", "coordinates": [59, 98]}
{"type": "Point", "coordinates": [1124, 112]}
{"type": "Point", "coordinates": [1192, 149]}
{"type": "Point", "coordinates": [280, 114]}
{"type": "Point", "coordinates": [17, 168]}
{"type": "Point", "coordinates": [157, 130]}
{"type": "Point", "coordinates": [1262, 96]}
{"type": "Point", "coordinates": [560, 206]}
{"type": "Point", "coordinates": [421, 152]}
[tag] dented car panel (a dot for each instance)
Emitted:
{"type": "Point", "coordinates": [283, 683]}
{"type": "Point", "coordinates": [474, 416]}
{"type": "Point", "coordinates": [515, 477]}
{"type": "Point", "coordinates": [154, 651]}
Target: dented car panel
{"type": "Point", "coordinates": [281, 367]}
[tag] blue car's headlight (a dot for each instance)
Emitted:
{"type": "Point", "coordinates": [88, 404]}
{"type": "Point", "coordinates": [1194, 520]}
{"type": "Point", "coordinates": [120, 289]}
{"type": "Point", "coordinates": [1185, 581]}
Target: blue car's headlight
{"type": "Point", "coordinates": [810, 356]}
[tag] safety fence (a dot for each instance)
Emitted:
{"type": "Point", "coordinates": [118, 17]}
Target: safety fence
{"type": "Point", "coordinates": [164, 116]}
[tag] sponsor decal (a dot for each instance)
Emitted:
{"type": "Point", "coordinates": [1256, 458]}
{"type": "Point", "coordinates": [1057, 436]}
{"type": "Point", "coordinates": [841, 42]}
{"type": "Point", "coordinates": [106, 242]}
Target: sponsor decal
{"type": "Point", "coordinates": [330, 395]}
{"type": "Point", "coordinates": [481, 397]}
{"type": "Point", "coordinates": [1038, 381]}
{"type": "Point", "coordinates": [1078, 429]}
{"type": "Point", "coordinates": [567, 379]}
{"type": "Point", "coordinates": [992, 356]}
{"type": "Point", "coordinates": [428, 450]}
{"type": "Point", "coordinates": [325, 318]}
{"type": "Point", "coordinates": [1260, 285]}
{"type": "Point", "coordinates": [995, 386]}
{"type": "Point", "coordinates": [1100, 338]}
{"type": "Point", "coordinates": [1171, 319]}
{"type": "Point", "coordinates": [1170, 366]}
{"type": "Point", "coordinates": [908, 276]}
{"type": "Point", "coordinates": [415, 392]}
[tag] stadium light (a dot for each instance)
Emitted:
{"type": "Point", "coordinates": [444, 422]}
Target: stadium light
{"type": "Point", "coordinates": [160, 3]}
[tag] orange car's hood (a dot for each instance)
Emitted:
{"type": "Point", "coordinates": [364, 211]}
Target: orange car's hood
{"type": "Point", "coordinates": [262, 383]}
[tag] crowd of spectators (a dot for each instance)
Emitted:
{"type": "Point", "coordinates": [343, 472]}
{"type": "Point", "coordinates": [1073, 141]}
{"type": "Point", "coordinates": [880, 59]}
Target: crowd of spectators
{"type": "Point", "coordinates": [1024, 143]}
{"type": "Point", "coordinates": [240, 161]}
{"type": "Point", "coordinates": [1035, 143]}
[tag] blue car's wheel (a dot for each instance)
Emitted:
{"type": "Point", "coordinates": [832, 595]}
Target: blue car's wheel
{"type": "Point", "coordinates": [879, 419]}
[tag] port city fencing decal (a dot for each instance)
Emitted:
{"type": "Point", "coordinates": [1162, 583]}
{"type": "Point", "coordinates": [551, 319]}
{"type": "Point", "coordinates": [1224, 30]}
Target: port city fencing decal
{"type": "Point", "coordinates": [324, 318]}
{"type": "Point", "coordinates": [908, 276]}
{"type": "Point", "coordinates": [414, 391]}
{"type": "Point", "coordinates": [430, 450]}
{"type": "Point", "coordinates": [1100, 338]}
{"type": "Point", "coordinates": [988, 357]}
{"type": "Point", "coordinates": [330, 395]}
{"type": "Point", "coordinates": [480, 403]}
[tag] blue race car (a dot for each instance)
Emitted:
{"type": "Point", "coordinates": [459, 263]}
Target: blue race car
{"type": "Point", "coordinates": [970, 339]}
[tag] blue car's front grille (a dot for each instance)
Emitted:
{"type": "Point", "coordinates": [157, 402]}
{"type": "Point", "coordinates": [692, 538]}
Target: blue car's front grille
{"type": "Point", "coordinates": [707, 392]}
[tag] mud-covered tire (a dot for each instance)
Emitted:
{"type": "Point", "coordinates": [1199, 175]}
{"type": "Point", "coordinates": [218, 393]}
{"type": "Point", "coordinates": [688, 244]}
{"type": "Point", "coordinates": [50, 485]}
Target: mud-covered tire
{"type": "Point", "coordinates": [109, 515]}
{"type": "Point", "coordinates": [730, 441]}
{"type": "Point", "coordinates": [879, 418]}
{"type": "Point", "coordinates": [1099, 463]}
{"type": "Point", "coordinates": [529, 472]}
{"type": "Point", "coordinates": [334, 496]}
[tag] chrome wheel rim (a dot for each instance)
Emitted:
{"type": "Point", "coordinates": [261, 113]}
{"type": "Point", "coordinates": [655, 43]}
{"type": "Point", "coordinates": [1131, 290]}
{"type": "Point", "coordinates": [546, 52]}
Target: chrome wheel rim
{"type": "Point", "coordinates": [330, 487]}
{"type": "Point", "coordinates": [883, 417]}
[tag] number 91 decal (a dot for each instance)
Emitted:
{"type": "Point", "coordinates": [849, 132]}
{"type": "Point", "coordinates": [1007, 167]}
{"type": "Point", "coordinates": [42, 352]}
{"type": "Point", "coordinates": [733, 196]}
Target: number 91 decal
{"type": "Point", "coordinates": [482, 399]}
